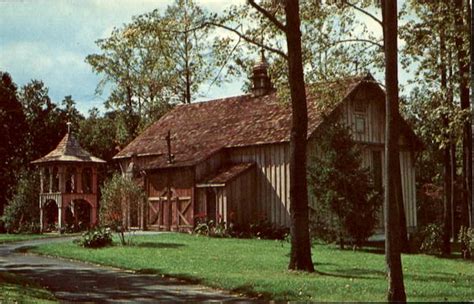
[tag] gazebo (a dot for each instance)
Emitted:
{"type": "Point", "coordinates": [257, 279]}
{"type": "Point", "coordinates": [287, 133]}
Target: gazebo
{"type": "Point", "coordinates": [68, 187]}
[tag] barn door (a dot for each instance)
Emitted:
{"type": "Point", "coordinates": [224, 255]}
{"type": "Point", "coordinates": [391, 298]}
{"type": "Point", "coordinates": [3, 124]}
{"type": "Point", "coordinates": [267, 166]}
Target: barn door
{"type": "Point", "coordinates": [170, 211]}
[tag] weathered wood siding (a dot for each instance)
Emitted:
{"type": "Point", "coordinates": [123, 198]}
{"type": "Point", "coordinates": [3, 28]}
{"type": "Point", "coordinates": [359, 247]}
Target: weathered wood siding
{"type": "Point", "coordinates": [369, 107]}
{"type": "Point", "coordinates": [272, 179]}
{"type": "Point", "coordinates": [236, 202]}
{"type": "Point", "coordinates": [407, 167]}
{"type": "Point", "coordinates": [211, 165]}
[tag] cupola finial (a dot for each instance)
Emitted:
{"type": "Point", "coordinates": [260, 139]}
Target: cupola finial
{"type": "Point", "coordinates": [262, 84]}
{"type": "Point", "coordinates": [68, 127]}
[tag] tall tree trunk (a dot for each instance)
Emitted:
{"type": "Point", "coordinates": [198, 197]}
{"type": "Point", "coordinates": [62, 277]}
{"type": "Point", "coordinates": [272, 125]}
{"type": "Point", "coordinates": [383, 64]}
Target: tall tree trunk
{"type": "Point", "coordinates": [447, 223]}
{"type": "Point", "coordinates": [300, 241]}
{"type": "Point", "coordinates": [463, 70]}
{"type": "Point", "coordinates": [447, 180]}
{"type": "Point", "coordinates": [404, 244]}
{"type": "Point", "coordinates": [471, 206]}
{"type": "Point", "coordinates": [396, 290]}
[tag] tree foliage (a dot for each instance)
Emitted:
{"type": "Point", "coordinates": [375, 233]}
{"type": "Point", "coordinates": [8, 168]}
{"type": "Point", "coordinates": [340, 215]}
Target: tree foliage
{"type": "Point", "coordinates": [155, 61]}
{"type": "Point", "coordinates": [22, 211]}
{"type": "Point", "coordinates": [335, 43]}
{"type": "Point", "coordinates": [346, 199]}
{"type": "Point", "coordinates": [120, 196]}
{"type": "Point", "coordinates": [13, 129]}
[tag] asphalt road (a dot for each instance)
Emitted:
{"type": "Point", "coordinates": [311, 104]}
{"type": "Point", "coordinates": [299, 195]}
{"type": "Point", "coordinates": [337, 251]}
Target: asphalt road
{"type": "Point", "coordinates": [76, 281]}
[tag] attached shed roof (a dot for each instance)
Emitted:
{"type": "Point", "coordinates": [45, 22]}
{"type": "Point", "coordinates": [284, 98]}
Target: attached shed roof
{"type": "Point", "coordinates": [68, 150]}
{"type": "Point", "coordinates": [200, 129]}
{"type": "Point", "coordinates": [225, 175]}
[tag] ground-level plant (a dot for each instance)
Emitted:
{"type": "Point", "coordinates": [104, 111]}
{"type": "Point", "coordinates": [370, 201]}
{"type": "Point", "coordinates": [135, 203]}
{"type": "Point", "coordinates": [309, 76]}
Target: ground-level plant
{"type": "Point", "coordinates": [95, 238]}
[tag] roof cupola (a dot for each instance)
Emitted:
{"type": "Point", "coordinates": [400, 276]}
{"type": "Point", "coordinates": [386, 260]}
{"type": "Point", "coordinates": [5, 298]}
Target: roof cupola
{"type": "Point", "coordinates": [261, 82]}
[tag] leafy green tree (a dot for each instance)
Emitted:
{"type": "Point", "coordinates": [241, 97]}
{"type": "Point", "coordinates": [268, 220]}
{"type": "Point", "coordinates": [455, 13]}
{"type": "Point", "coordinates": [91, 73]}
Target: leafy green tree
{"type": "Point", "coordinates": [151, 63]}
{"type": "Point", "coordinates": [12, 136]}
{"type": "Point", "coordinates": [45, 120]}
{"type": "Point", "coordinates": [434, 40]}
{"type": "Point", "coordinates": [22, 211]}
{"type": "Point", "coordinates": [97, 134]}
{"type": "Point", "coordinates": [346, 199]}
{"type": "Point", "coordinates": [335, 44]}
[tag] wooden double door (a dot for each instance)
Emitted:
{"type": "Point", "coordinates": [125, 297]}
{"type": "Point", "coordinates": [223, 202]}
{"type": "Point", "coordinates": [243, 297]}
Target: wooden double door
{"type": "Point", "coordinates": [170, 211]}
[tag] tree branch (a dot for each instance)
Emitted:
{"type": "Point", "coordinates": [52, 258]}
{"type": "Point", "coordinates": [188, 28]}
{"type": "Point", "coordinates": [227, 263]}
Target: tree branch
{"type": "Point", "coordinates": [364, 12]}
{"type": "Point", "coordinates": [250, 40]}
{"type": "Point", "coordinates": [359, 40]}
{"type": "Point", "coordinates": [267, 14]}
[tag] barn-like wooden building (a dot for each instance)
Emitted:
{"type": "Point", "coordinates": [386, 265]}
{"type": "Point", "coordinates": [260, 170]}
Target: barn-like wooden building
{"type": "Point", "coordinates": [228, 158]}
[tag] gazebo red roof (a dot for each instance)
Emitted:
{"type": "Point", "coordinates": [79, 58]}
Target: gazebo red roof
{"type": "Point", "coordinates": [68, 150]}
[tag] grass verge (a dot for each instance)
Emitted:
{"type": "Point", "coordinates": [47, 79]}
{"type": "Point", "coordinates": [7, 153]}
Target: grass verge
{"type": "Point", "coordinates": [259, 268]}
{"type": "Point", "coordinates": [10, 238]}
{"type": "Point", "coordinates": [16, 289]}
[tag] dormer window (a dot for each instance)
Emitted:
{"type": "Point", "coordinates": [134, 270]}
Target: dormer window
{"type": "Point", "coordinates": [360, 124]}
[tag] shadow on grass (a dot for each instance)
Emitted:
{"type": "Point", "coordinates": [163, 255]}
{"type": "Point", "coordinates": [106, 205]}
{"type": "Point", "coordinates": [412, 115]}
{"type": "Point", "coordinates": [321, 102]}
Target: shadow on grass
{"type": "Point", "coordinates": [354, 273]}
{"type": "Point", "coordinates": [158, 245]}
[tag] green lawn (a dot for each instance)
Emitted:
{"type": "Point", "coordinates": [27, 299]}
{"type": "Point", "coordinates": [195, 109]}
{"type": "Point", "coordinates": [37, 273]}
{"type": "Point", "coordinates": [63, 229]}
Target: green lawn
{"type": "Point", "coordinates": [9, 238]}
{"type": "Point", "coordinates": [258, 267]}
{"type": "Point", "coordinates": [15, 289]}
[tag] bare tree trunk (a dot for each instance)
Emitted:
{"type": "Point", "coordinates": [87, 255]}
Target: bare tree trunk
{"type": "Point", "coordinates": [463, 69]}
{"type": "Point", "coordinates": [404, 244]}
{"type": "Point", "coordinates": [447, 203]}
{"type": "Point", "coordinates": [471, 205]}
{"type": "Point", "coordinates": [396, 290]}
{"type": "Point", "coordinates": [300, 241]}
{"type": "Point", "coordinates": [447, 180]}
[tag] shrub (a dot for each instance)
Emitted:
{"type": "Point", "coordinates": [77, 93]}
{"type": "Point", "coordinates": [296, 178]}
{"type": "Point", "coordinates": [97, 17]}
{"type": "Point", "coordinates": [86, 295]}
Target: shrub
{"type": "Point", "coordinates": [347, 201]}
{"type": "Point", "coordinates": [262, 229]}
{"type": "Point", "coordinates": [432, 239]}
{"type": "Point", "coordinates": [119, 196]}
{"type": "Point", "coordinates": [96, 238]}
{"type": "Point", "coordinates": [22, 212]}
{"type": "Point", "coordinates": [466, 239]}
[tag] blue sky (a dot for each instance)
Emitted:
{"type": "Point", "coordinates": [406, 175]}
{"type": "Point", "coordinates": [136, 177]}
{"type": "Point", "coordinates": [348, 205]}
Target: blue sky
{"type": "Point", "coordinates": [48, 40]}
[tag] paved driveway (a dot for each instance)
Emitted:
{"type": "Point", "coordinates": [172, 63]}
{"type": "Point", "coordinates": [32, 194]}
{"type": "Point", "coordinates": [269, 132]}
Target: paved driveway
{"type": "Point", "coordinates": [76, 281]}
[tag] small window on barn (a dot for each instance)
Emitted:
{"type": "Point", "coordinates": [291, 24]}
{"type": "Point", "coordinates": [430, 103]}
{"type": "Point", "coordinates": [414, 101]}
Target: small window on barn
{"type": "Point", "coordinates": [360, 124]}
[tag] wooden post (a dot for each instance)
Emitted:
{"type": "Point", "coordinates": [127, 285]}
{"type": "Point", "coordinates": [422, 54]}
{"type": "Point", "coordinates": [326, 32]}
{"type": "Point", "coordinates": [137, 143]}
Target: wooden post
{"type": "Point", "coordinates": [78, 177]}
{"type": "Point", "coordinates": [170, 207]}
{"type": "Point", "coordinates": [62, 180]}
{"type": "Point", "coordinates": [94, 180]}
{"type": "Point", "coordinates": [50, 180]}
{"type": "Point", "coordinates": [60, 217]}
{"type": "Point", "coordinates": [41, 181]}
{"type": "Point", "coordinates": [41, 214]}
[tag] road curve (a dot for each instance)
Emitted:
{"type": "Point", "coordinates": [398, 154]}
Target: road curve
{"type": "Point", "coordinates": [77, 281]}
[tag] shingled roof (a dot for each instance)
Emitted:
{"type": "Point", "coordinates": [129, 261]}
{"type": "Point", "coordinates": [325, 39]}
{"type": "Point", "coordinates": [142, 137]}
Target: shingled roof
{"type": "Point", "coordinates": [200, 129]}
{"type": "Point", "coordinates": [68, 150]}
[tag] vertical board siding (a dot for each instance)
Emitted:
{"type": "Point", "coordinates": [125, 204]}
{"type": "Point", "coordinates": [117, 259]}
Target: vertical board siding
{"type": "Point", "coordinates": [271, 179]}
{"type": "Point", "coordinates": [211, 165]}
{"type": "Point", "coordinates": [372, 139]}
{"type": "Point", "coordinates": [239, 206]}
